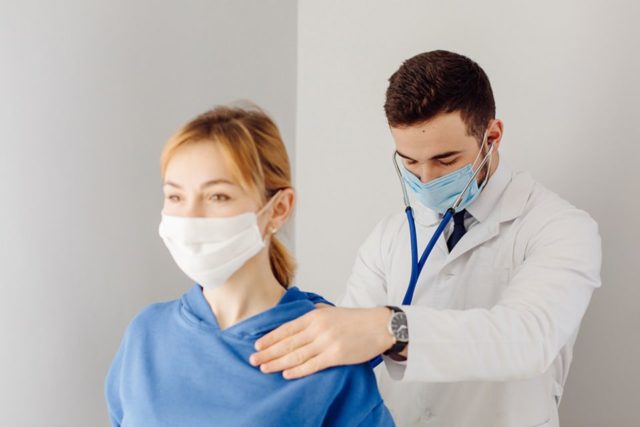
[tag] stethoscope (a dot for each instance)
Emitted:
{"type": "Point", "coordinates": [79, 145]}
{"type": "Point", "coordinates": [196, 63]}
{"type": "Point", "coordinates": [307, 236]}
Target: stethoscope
{"type": "Point", "coordinates": [418, 265]}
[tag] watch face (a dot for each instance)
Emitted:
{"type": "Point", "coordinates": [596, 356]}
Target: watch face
{"type": "Point", "coordinates": [399, 327]}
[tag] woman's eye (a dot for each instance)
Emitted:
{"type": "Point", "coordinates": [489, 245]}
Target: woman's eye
{"type": "Point", "coordinates": [173, 198]}
{"type": "Point", "coordinates": [219, 197]}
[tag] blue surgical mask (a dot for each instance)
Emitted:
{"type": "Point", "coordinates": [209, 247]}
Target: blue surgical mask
{"type": "Point", "coordinates": [440, 194]}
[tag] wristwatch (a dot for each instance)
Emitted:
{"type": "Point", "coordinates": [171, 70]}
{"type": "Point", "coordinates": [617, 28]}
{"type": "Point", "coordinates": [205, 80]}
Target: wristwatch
{"type": "Point", "coordinates": [398, 328]}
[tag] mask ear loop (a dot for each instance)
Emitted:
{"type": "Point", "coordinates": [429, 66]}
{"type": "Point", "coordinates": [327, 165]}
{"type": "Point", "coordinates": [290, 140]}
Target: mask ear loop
{"type": "Point", "coordinates": [487, 156]}
{"type": "Point", "coordinates": [489, 153]}
{"type": "Point", "coordinates": [488, 173]}
{"type": "Point", "coordinates": [485, 139]}
{"type": "Point", "coordinates": [267, 206]}
{"type": "Point", "coordinates": [486, 178]}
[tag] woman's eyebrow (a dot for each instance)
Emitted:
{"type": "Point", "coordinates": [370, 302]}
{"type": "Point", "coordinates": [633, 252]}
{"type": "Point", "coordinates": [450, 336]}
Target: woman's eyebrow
{"type": "Point", "coordinates": [206, 184]}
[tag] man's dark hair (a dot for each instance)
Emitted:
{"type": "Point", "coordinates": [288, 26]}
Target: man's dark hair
{"type": "Point", "coordinates": [440, 82]}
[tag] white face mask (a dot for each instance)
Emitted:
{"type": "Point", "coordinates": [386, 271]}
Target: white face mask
{"type": "Point", "coordinates": [210, 250]}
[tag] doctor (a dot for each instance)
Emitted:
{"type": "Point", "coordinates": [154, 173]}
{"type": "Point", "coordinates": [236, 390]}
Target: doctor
{"type": "Point", "coordinates": [488, 337]}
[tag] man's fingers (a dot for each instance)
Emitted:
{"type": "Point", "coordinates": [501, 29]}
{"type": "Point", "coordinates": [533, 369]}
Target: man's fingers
{"type": "Point", "coordinates": [291, 359]}
{"type": "Point", "coordinates": [280, 349]}
{"type": "Point", "coordinates": [311, 366]}
{"type": "Point", "coordinates": [282, 332]}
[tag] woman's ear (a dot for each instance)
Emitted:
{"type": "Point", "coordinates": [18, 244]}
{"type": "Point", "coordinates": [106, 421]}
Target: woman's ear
{"type": "Point", "coordinates": [282, 209]}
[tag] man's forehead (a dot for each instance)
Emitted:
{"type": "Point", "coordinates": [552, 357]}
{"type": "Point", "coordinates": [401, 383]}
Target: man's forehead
{"type": "Point", "coordinates": [432, 143]}
{"type": "Point", "coordinates": [438, 126]}
{"type": "Point", "coordinates": [439, 139]}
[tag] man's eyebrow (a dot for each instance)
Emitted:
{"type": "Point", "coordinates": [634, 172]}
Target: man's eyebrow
{"type": "Point", "coordinates": [405, 157]}
{"type": "Point", "coordinates": [206, 184]}
{"type": "Point", "coordinates": [445, 155]}
{"type": "Point", "coordinates": [436, 157]}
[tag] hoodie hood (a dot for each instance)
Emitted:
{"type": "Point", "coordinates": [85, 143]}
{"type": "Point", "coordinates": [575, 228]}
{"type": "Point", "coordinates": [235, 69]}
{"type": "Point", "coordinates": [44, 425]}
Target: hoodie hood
{"type": "Point", "coordinates": [293, 303]}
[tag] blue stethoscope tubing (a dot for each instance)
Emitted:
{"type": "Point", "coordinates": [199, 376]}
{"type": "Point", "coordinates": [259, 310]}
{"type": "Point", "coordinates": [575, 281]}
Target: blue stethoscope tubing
{"type": "Point", "coordinates": [418, 265]}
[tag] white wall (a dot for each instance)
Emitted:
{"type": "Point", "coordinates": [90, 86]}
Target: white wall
{"type": "Point", "coordinates": [565, 81]}
{"type": "Point", "coordinates": [89, 93]}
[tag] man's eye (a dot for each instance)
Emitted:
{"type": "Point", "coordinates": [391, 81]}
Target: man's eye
{"type": "Point", "coordinates": [449, 163]}
{"type": "Point", "coordinates": [217, 197]}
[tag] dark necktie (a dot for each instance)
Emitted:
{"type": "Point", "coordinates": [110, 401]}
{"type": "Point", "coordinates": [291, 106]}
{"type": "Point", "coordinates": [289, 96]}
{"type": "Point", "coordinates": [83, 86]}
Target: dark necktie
{"type": "Point", "coordinates": [458, 229]}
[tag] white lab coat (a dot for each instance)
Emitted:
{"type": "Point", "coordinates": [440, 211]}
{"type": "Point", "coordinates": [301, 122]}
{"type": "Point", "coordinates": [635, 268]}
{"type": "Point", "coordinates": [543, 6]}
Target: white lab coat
{"type": "Point", "coordinates": [493, 323]}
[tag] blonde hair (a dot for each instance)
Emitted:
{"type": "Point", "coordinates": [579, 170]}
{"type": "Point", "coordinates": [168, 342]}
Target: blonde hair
{"type": "Point", "coordinates": [252, 144]}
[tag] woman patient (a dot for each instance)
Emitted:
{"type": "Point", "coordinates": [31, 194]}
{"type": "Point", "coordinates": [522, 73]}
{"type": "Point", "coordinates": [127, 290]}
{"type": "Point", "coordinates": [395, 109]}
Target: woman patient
{"type": "Point", "coordinates": [227, 186]}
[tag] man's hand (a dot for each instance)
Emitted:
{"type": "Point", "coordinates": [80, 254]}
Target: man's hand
{"type": "Point", "coordinates": [325, 337]}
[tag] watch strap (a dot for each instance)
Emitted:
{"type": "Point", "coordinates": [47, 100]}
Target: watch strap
{"type": "Point", "coordinates": [398, 346]}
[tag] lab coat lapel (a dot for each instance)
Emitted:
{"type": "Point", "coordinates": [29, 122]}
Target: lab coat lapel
{"type": "Point", "coordinates": [510, 205]}
{"type": "Point", "coordinates": [479, 234]}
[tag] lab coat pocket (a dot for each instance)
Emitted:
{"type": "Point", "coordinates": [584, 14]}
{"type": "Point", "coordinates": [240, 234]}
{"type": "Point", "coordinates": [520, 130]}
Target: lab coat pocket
{"type": "Point", "coordinates": [485, 281]}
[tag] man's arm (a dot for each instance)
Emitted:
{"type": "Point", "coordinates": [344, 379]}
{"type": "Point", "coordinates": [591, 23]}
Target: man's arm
{"type": "Point", "coordinates": [537, 314]}
{"type": "Point", "coordinates": [306, 345]}
{"type": "Point", "coordinates": [324, 338]}
{"type": "Point", "coordinates": [519, 337]}
{"type": "Point", "coordinates": [367, 285]}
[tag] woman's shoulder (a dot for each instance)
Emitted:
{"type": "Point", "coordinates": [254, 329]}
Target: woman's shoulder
{"type": "Point", "coordinates": [153, 317]}
{"type": "Point", "coordinates": [310, 296]}
{"type": "Point", "coordinates": [360, 375]}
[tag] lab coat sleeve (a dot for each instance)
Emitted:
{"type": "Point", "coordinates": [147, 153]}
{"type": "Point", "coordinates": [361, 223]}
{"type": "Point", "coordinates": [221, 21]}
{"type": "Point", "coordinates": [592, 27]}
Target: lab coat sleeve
{"type": "Point", "coordinates": [367, 285]}
{"type": "Point", "coordinates": [538, 312]}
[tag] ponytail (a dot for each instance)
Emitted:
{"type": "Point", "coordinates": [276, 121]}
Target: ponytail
{"type": "Point", "coordinates": [282, 263]}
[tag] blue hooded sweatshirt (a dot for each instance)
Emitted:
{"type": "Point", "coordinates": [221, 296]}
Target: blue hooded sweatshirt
{"type": "Point", "coordinates": [176, 367]}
